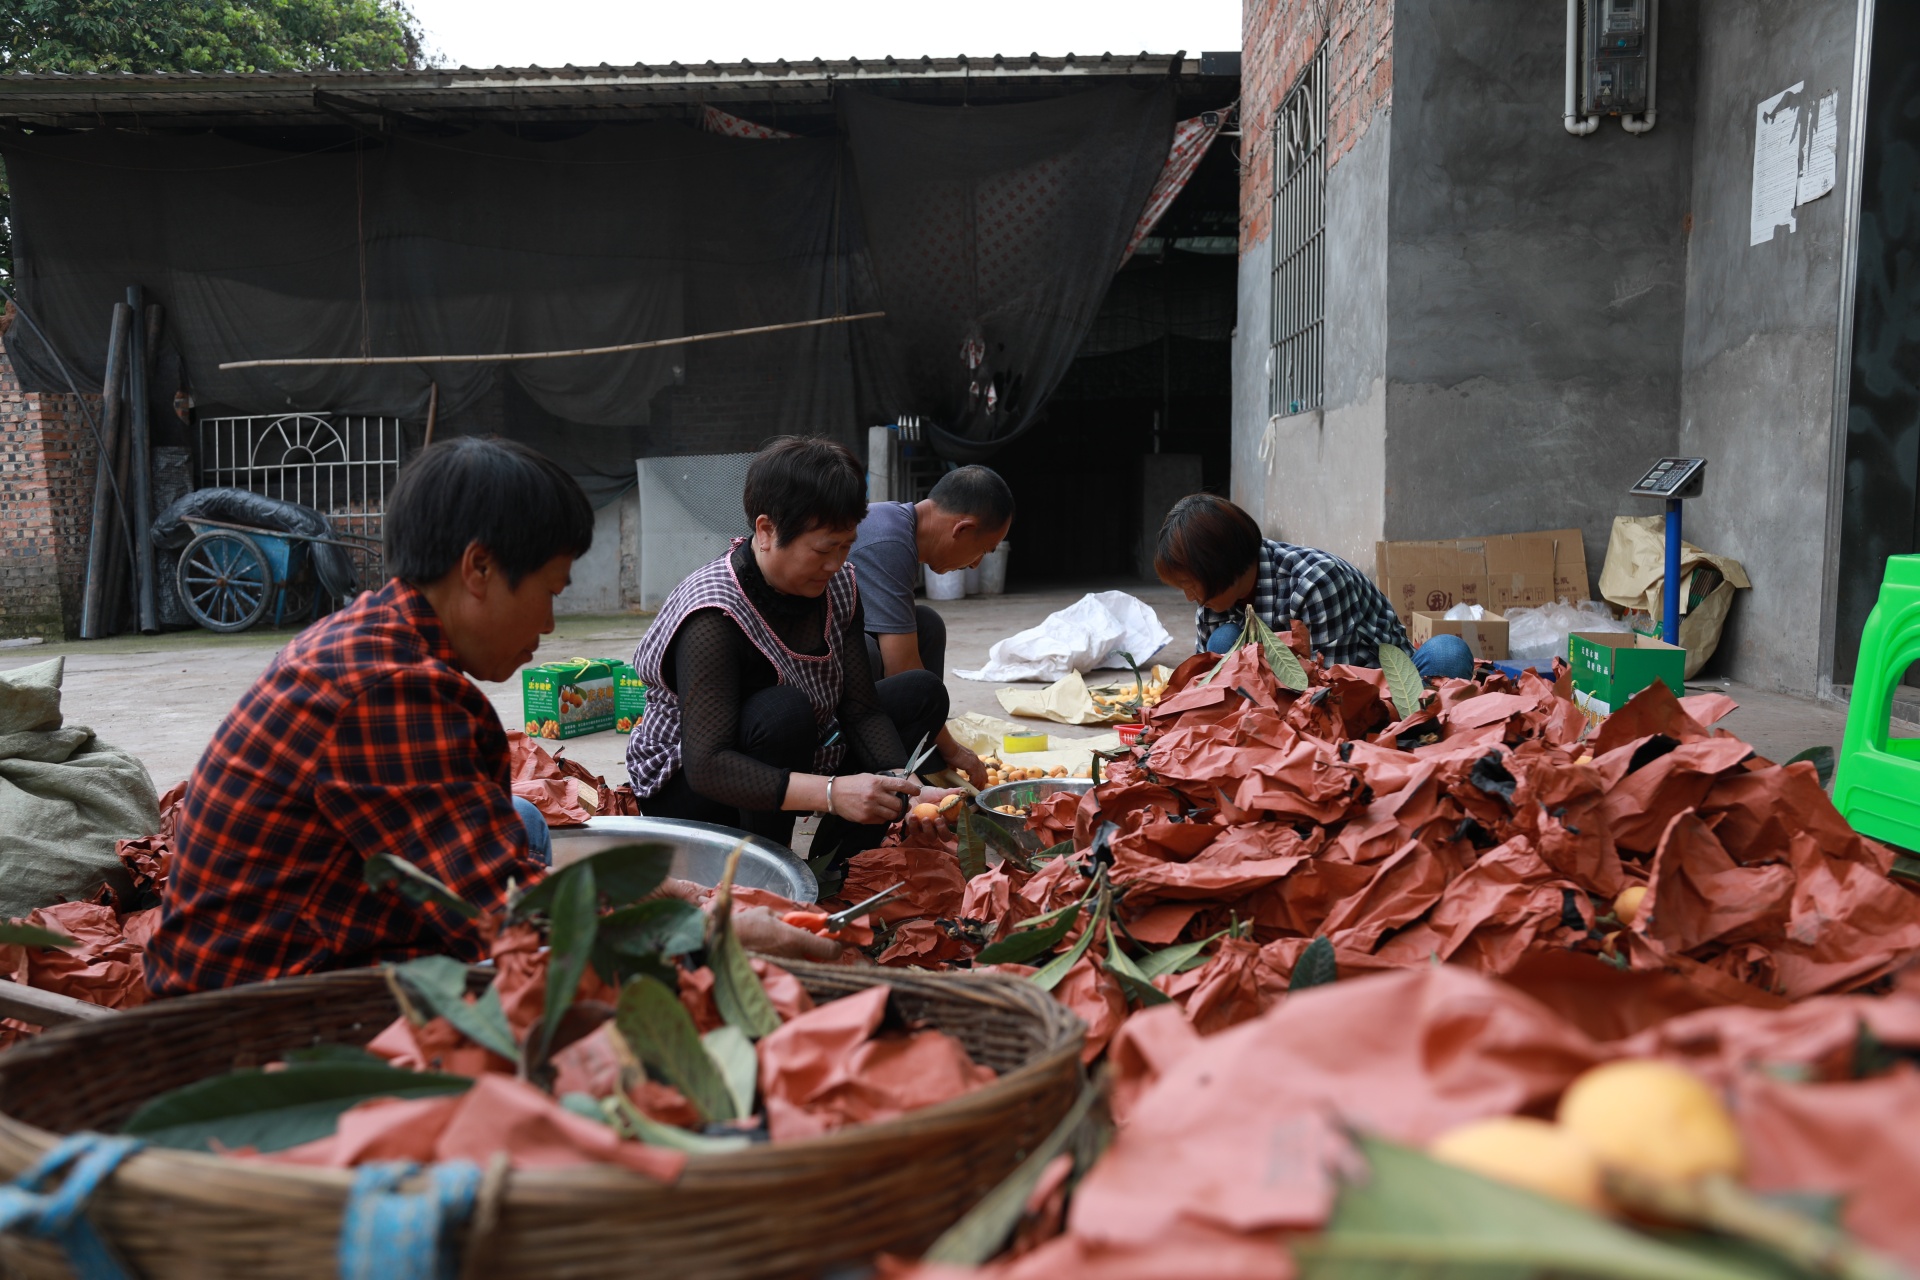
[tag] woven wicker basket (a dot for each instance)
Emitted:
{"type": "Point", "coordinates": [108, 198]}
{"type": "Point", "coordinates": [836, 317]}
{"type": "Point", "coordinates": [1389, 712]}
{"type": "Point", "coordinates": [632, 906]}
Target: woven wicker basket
{"type": "Point", "coordinates": [787, 1209]}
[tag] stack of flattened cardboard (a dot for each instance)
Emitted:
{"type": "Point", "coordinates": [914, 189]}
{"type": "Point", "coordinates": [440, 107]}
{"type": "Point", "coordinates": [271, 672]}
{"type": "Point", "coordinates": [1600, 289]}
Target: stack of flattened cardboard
{"type": "Point", "coordinates": [1507, 571]}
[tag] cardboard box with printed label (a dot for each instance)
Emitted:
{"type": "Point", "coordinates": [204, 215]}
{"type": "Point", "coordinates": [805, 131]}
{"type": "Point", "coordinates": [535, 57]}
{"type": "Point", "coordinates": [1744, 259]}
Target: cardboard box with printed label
{"type": "Point", "coordinates": [1502, 572]}
{"type": "Point", "coordinates": [629, 697]}
{"type": "Point", "coordinates": [568, 699]}
{"type": "Point", "coordinates": [1609, 667]}
{"type": "Point", "coordinates": [1487, 637]}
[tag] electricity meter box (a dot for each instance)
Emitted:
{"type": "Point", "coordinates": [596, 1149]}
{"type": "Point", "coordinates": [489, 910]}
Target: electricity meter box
{"type": "Point", "coordinates": [1617, 38]}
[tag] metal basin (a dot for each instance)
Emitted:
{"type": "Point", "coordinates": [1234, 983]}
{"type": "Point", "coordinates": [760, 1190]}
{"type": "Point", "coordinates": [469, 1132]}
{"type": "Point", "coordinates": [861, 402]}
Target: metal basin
{"type": "Point", "coordinates": [1023, 793]}
{"type": "Point", "coordinates": [700, 852]}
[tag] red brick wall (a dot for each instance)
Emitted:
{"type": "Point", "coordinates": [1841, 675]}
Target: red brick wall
{"type": "Point", "coordinates": [46, 507]}
{"type": "Point", "coordinates": [1278, 37]}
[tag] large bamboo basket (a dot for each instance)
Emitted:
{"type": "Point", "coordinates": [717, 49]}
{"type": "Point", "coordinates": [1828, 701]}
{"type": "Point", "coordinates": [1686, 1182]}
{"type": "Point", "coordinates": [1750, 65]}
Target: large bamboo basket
{"type": "Point", "coordinates": [788, 1209]}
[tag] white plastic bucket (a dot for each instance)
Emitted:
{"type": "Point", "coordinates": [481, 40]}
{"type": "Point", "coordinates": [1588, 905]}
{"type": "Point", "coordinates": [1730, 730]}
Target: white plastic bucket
{"type": "Point", "coordinates": [993, 571]}
{"type": "Point", "coordinates": [946, 586]}
{"type": "Point", "coordinates": [972, 573]}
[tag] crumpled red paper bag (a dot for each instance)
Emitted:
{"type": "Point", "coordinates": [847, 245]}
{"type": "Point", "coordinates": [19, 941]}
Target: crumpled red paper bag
{"type": "Point", "coordinates": [498, 1114]}
{"type": "Point", "coordinates": [789, 997]}
{"type": "Point", "coordinates": [104, 969]}
{"type": "Point", "coordinates": [828, 1068]}
{"type": "Point", "coordinates": [536, 777]}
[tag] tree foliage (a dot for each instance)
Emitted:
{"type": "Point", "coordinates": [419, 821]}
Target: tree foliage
{"type": "Point", "coordinates": [77, 36]}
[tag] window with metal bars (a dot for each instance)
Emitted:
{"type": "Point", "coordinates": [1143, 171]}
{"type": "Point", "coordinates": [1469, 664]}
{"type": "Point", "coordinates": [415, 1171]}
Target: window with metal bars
{"type": "Point", "coordinates": [1297, 361]}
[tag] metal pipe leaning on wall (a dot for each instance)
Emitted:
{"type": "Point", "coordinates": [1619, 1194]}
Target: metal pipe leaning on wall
{"type": "Point", "coordinates": [100, 544]}
{"type": "Point", "coordinates": [1570, 116]}
{"type": "Point", "coordinates": [142, 463]}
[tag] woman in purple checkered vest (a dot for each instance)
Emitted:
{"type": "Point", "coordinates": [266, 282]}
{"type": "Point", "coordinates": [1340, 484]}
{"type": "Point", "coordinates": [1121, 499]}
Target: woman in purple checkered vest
{"type": "Point", "coordinates": [761, 703]}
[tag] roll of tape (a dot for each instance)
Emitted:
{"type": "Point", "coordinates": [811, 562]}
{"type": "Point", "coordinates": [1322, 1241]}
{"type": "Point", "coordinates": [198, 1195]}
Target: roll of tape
{"type": "Point", "coordinates": [1017, 742]}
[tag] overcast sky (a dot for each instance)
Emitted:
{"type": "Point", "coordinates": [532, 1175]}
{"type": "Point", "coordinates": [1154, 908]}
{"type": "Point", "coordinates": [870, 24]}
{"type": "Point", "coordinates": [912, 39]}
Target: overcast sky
{"type": "Point", "coordinates": [552, 33]}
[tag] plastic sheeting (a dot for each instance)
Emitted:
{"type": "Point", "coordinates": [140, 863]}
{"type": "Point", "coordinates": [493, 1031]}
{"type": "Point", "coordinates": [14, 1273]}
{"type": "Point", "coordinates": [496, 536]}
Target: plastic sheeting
{"type": "Point", "coordinates": [1091, 632]}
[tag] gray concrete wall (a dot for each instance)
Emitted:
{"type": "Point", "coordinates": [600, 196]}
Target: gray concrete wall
{"type": "Point", "coordinates": [1535, 302]}
{"type": "Point", "coordinates": [1324, 482]}
{"type": "Point", "coordinates": [1762, 323]}
{"type": "Point", "coordinates": [602, 578]}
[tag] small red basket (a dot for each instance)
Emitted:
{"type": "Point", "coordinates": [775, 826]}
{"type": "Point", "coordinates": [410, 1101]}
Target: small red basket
{"type": "Point", "coordinates": [1129, 733]}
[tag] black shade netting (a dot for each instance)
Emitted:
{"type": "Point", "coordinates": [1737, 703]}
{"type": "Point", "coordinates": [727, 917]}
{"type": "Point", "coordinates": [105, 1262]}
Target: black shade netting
{"type": "Point", "coordinates": [992, 234]}
{"type": "Point", "coordinates": [489, 242]}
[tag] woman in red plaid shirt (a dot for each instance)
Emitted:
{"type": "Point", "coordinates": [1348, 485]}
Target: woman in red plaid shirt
{"type": "Point", "coordinates": [367, 735]}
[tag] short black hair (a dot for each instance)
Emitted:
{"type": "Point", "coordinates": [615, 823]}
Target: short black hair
{"type": "Point", "coordinates": [975, 491]}
{"type": "Point", "coordinates": [1207, 540]}
{"type": "Point", "coordinates": [805, 482]}
{"type": "Point", "coordinates": [513, 501]}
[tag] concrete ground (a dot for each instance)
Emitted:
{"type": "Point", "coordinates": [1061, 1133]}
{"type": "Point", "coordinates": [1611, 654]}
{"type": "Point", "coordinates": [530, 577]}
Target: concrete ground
{"type": "Point", "coordinates": [162, 696]}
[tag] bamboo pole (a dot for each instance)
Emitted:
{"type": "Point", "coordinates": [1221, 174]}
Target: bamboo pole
{"type": "Point", "coordinates": [433, 411]}
{"type": "Point", "coordinates": [550, 355]}
{"type": "Point", "coordinates": [105, 524]}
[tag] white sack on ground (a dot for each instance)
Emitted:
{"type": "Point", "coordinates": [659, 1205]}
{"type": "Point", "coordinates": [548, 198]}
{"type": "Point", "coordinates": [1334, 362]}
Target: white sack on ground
{"type": "Point", "coordinates": [1091, 632]}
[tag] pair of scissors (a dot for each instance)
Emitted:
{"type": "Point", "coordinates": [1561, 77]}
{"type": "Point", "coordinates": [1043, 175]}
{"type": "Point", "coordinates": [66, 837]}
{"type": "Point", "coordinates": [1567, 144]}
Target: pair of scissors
{"type": "Point", "coordinates": [921, 751]}
{"type": "Point", "coordinates": [836, 925]}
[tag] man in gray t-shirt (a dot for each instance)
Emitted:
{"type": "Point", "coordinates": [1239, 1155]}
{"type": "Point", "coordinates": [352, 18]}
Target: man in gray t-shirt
{"type": "Point", "coordinates": [965, 516]}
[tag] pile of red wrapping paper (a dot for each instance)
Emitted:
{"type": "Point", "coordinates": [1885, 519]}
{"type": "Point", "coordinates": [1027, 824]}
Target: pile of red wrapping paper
{"type": "Point", "coordinates": [1230, 1146]}
{"type": "Point", "coordinates": [825, 1068]}
{"type": "Point", "coordinates": [1478, 830]}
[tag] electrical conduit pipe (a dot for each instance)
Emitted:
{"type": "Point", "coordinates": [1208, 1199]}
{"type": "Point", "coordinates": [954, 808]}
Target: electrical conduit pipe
{"type": "Point", "coordinates": [1571, 116]}
{"type": "Point", "coordinates": [1649, 117]}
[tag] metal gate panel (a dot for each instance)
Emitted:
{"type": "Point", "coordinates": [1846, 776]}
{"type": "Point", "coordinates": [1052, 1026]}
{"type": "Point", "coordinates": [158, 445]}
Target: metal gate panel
{"type": "Point", "coordinates": [342, 466]}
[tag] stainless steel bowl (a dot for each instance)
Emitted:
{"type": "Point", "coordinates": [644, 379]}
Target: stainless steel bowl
{"type": "Point", "coordinates": [700, 852]}
{"type": "Point", "coordinates": [1023, 793]}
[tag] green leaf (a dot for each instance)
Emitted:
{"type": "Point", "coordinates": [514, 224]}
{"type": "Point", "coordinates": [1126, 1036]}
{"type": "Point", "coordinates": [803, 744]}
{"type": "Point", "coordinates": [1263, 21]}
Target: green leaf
{"type": "Point", "coordinates": [633, 939]}
{"type": "Point", "coordinates": [1049, 977]}
{"type": "Point", "coordinates": [736, 988]}
{"type": "Point", "coordinates": [1178, 958]}
{"type": "Point", "coordinates": [440, 983]}
{"type": "Point", "coordinates": [586, 1106]}
{"type": "Point", "coordinates": [30, 935]}
{"type": "Point", "coordinates": [1003, 840]}
{"type": "Point", "coordinates": [1403, 679]}
{"type": "Point", "coordinates": [983, 1232]}
{"type": "Point", "coordinates": [660, 1031]}
{"type": "Point", "coordinates": [413, 884]}
{"type": "Point", "coordinates": [973, 845]}
{"type": "Point", "coordinates": [638, 1124]}
{"type": "Point", "coordinates": [1053, 851]}
{"type": "Point", "coordinates": [1413, 1216]}
{"type": "Point", "coordinates": [1025, 943]}
{"type": "Point", "coordinates": [573, 924]}
{"type": "Point", "coordinates": [330, 1054]}
{"type": "Point", "coordinates": [624, 874]}
{"type": "Point", "coordinates": [1281, 660]}
{"type": "Point", "coordinates": [1821, 758]}
{"type": "Point", "coordinates": [1122, 967]}
{"type": "Point", "coordinates": [1316, 966]}
{"type": "Point", "coordinates": [274, 1110]}
{"type": "Point", "coordinates": [739, 1065]}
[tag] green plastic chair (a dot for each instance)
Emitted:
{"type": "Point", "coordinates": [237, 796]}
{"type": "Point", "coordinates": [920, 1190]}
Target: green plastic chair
{"type": "Point", "coordinates": [1876, 785]}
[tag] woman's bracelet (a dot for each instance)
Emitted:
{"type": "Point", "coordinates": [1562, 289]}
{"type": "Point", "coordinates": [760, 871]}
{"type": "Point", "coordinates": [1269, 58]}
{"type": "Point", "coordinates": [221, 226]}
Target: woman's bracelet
{"type": "Point", "coordinates": [829, 793]}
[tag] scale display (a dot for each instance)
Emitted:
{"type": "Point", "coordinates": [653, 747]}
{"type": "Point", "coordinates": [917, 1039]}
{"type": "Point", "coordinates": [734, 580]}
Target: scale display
{"type": "Point", "coordinates": [1672, 478]}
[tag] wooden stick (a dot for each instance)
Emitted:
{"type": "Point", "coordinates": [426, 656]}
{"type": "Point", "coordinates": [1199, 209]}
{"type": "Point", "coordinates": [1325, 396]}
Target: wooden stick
{"type": "Point", "coordinates": [551, 355]}
{"type": "Point", "coordinates": [100, 544]}
{"type": "Point", "coordinates": [45, 1008]}
{"type": "Point", "coordinates": [433, 411]}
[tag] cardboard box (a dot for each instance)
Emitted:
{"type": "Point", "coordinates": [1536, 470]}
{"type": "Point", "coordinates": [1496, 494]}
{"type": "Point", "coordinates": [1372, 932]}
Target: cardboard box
{"type": "Point", "coordinates": [1487, 637]}
{"type": "Point", "coordinates": [1506, 571]}
{"type": "Point", "coordinates": [1609, 667]}
{"type": "Point", "coordinates": [568, 699]}
{"type": "Point", "coordinates": [629, 697]}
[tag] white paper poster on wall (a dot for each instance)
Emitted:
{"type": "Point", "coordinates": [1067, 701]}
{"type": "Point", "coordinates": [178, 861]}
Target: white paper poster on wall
{"type": "Point", "coordinates": [1795, 148]}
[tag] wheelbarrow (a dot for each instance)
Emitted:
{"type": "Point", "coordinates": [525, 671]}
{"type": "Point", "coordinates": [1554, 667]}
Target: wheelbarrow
{"type": "Point", "coordinates": [230, 575]}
